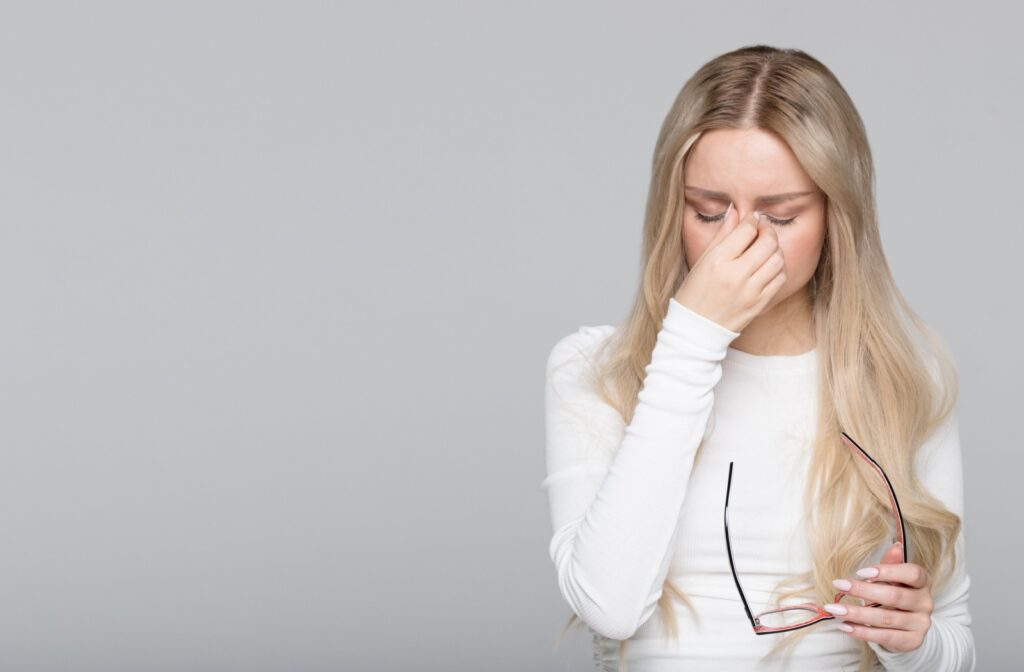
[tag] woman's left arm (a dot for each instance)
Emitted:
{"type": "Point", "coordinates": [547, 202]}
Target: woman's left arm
{"type": "Point", "coordinates": [944, 631]}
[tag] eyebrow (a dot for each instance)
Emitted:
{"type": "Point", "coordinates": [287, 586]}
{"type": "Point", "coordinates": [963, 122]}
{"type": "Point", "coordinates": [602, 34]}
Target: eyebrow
{"type": "Point", "coordinates": [761, 200]}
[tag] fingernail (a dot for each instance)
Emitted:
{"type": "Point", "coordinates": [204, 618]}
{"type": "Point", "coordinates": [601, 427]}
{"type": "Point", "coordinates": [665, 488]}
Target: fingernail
{"type": "Point", "coordinates": [842, 584]}
{"type": "Point", "coordinates": [868, 572]}
{"type": "Point", "coordinates": [727, 211]}
{"type": "Point", "coordinates": [835, 609]}
{"type": "Point", "coordinates": [845, 627]}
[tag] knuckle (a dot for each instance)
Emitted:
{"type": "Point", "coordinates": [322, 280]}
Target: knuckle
{"type": "Point", "coordinates": [888, 619]}
{"type": "Point", "coordinates": [929, 603]}
{"type": "Point", "coordinates": [922, 575]}
{"type": "Point", "coordinates": [895, 594]}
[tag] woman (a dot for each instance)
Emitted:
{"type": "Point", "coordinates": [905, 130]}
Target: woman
{"type": "Point", "coordinates": [767, 324]}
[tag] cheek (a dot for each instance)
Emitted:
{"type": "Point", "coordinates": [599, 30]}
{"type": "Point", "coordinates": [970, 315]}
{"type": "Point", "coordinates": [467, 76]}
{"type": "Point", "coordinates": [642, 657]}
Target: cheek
{"type": "Point", "coordinates": [801, 248]}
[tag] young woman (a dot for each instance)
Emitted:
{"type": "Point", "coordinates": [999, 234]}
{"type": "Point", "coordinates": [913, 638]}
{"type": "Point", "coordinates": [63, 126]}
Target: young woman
{"type": "Point", "coordinates": [769, 360]}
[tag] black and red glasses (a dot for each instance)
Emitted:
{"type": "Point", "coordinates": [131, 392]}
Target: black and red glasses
{"type": "Point", "coordinates": [794, 617]}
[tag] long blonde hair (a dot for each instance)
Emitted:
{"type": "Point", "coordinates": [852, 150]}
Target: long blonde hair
{"type": "Point", "coordinates": [885, 377]}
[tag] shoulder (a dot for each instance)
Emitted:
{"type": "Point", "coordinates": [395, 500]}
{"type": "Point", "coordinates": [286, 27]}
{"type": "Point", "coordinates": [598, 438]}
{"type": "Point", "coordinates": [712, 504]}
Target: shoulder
{"type": "Point", "coordinates": [578, 348]}
{"type": "Point", "coordinates": [582, 425]}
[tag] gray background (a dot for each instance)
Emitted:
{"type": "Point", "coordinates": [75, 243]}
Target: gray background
{"type": "Point", "coordinates": [280, 279]}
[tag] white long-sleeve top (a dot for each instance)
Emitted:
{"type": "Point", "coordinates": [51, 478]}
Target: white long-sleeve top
{"type": "Point", "coordinates": [630, 507]}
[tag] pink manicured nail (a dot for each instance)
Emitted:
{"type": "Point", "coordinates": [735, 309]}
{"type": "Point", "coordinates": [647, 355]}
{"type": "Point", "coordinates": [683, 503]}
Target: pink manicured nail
{"type": "Point", "coordinates": [868, 572]}
{"type": "Point", "coordinates": [845, 627]}
{"type": "Point", "coordinates": [842, 584]}
{"type": "Point", "coordinates": [835, 609]}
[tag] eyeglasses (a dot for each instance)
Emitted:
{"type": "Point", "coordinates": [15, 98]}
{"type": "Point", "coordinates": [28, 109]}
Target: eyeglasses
{"type": "Point", "coordinates": [794, 617]}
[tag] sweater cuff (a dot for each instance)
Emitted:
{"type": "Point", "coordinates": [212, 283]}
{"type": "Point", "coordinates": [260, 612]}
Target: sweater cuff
{"type": "Point", "coordinates": [683, 321]}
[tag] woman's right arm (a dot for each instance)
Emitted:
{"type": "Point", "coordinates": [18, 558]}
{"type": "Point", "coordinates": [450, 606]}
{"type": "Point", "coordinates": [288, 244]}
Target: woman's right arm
{"type": "Point", "coordinates": [616, 492]}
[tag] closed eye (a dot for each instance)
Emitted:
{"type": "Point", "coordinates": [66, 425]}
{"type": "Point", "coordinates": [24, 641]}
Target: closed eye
{"type": "Point", "coordinates": [716, 218]}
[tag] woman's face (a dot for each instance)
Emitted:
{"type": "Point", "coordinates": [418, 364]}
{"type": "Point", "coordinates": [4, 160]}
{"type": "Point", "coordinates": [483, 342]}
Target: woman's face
{"type": "Point", "coordinates": [749, 167]}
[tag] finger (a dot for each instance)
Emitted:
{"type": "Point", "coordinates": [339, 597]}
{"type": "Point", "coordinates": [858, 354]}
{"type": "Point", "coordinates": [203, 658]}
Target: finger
{"type": "Point", "coordinates": [771, 273]}
{"type": "Point", "coordinates": [878, 618]}
{"type": "Point", "coordinates": [738, 238]}
{"type": "Point", "coordinates": [907, 573]}
{"type": "Point", "coordinates": [890, 595]}
{"type": "Point", "coordinates": [761, 252]}
{"type": "Point", "coordinates": [894, 554]}
{"type": "Point", "coordinates": [727, 226]}
{"type": "Point", "coordinates": [766, 258]}
{"type": "Point", "coordinates": [893, 640]}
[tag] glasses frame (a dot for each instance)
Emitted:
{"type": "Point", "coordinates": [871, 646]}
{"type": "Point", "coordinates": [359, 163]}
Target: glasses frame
{"type": "Point", "coordinates": [819, 613]}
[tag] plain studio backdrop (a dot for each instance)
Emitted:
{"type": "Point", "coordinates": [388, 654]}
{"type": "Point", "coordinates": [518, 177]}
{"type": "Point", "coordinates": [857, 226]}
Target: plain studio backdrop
{"type": "Point", "coordinates": [280, 279]}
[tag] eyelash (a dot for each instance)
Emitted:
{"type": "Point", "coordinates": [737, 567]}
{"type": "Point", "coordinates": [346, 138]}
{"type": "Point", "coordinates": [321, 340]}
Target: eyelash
{"type": "Point", "coordinates": [715, 218]}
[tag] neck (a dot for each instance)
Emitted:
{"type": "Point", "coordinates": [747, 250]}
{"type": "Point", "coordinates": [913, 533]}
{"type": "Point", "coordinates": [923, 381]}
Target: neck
{"type": "Point", "coordinates": [786, 328]}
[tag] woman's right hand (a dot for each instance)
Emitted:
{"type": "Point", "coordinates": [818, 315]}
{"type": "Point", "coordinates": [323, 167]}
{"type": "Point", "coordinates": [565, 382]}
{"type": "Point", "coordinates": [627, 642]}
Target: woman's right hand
{"type": "Point", "coordinates": [733, 280]}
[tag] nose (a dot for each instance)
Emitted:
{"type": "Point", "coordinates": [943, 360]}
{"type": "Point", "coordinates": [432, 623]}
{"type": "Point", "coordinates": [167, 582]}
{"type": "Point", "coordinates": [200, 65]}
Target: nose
{"type": "Point", "coordinates": [756, 214]}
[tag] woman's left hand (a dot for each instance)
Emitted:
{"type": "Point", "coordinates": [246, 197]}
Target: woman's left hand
{"type": "Point", "coordinates": [905, 614]}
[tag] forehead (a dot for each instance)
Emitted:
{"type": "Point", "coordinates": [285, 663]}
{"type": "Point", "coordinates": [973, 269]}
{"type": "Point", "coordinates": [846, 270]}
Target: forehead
{"type": "Point", "coordinates": [728, 159]}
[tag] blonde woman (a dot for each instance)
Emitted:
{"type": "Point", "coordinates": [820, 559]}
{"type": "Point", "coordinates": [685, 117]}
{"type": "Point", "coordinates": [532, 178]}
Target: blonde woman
{"type": "Point", "coordinates": [768, 360]}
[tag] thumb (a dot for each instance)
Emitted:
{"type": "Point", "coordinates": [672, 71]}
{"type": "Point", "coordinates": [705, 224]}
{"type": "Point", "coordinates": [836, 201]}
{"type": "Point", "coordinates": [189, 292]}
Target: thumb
{"type": "Point", "coordinates": [893, 555]}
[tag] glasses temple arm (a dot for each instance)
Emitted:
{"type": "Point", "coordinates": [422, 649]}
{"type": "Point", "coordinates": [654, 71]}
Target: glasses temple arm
{"type": "Point", "coordinates": [728, 550]}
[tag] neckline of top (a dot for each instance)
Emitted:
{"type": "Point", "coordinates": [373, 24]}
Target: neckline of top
{"type": "Point", "coordinates": [773, 363]}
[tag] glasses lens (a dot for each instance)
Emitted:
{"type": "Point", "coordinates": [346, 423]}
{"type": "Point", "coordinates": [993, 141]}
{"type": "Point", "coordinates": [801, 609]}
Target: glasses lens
{"type": "Point", "coordinates": [786, 617]}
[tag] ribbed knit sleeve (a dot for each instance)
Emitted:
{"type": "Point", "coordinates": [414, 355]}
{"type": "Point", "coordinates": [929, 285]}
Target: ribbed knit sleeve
{"type": "Point", "coordinates": [949, 644]}
{"type": "Point", "coordinates": [616, 491]}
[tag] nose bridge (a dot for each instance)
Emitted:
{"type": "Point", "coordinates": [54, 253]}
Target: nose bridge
{"type": "Point", "coordinates": [743, 210]}
{"type": "Point", "coordinates": [746, 212]}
